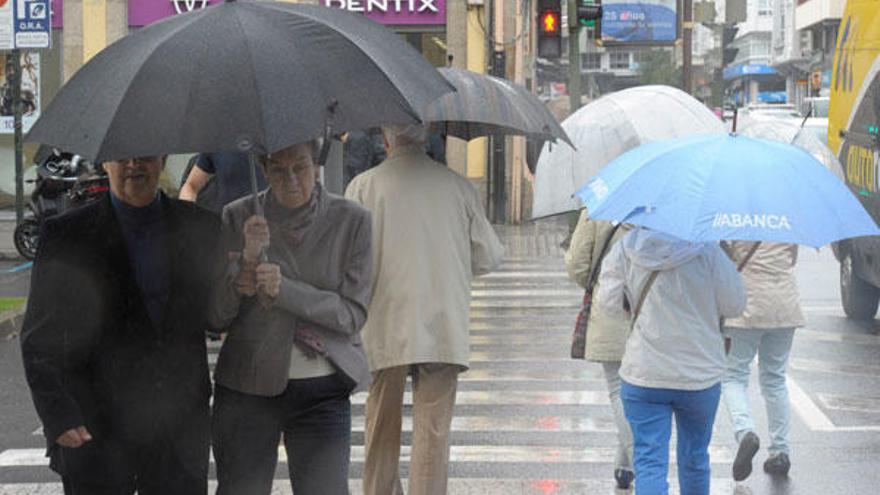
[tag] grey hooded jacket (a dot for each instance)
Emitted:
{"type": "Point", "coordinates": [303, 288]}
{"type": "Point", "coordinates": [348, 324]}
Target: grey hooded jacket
{"type": "Point", "coordinates": [676, 342]}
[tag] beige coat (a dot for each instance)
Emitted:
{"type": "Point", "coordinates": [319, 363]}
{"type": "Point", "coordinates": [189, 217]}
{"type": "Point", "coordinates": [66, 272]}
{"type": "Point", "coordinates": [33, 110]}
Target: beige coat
{"type": "Point", "coordinates": [606, 335]}
{"type": "Point", "coordinates": [430, 238]}
{"type": "Point", "coordinates": [773, 300]}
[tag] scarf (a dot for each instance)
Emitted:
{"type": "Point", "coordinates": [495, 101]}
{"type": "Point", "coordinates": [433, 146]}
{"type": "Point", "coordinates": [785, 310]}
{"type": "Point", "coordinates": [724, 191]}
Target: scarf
{"type": "Point", "coordinates": [293, 224]}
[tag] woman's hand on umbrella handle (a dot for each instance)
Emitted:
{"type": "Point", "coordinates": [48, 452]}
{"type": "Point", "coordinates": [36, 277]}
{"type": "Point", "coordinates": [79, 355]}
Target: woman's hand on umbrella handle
{"type": "Point", "coordinates": [256, 238]}
{"type": "Point", "coordinates": [269, 279]}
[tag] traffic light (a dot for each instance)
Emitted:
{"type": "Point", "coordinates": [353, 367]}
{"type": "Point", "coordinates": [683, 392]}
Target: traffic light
{"type": "Point", "coordinates": [728, 53]}
{"type": "Point", "coordinates": [588, 11]}
{"type": "Point", "coordinates": [549, 29]}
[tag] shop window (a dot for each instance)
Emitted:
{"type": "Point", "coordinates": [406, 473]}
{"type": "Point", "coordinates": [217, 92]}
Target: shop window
{"type": "Point", "coordinates": [591, 61]}
{"type": "Point", "coordinates": [619, 60]}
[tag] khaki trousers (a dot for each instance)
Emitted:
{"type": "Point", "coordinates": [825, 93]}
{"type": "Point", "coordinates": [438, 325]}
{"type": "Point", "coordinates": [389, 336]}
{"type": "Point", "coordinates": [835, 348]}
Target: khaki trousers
{"type": "Point", "coordinates": [434, 387]}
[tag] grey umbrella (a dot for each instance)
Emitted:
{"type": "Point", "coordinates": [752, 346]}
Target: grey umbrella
{"type": "Point", "coordinates": [484, 105]}
{"type": "Point", "coordinates": [238, 76]}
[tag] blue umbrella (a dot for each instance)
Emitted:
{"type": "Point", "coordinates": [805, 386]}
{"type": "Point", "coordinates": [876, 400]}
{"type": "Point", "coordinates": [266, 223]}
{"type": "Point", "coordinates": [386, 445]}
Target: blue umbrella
{"type": "Point", "coordinates": [727, 187]}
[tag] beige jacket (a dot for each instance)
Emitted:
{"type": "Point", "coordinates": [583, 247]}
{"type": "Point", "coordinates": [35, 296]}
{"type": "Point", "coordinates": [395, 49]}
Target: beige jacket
{"type": "Point", "coordinates": [606, 335]}
{"type": "Point", "coordinates": [430, 238]}
{"type": "Point", "coordinates": [773, 300]}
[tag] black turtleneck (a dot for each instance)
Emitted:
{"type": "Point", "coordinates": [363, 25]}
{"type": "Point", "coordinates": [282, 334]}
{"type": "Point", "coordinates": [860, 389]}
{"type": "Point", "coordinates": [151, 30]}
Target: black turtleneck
{"type": "Point", "coordinates": [145, 241]}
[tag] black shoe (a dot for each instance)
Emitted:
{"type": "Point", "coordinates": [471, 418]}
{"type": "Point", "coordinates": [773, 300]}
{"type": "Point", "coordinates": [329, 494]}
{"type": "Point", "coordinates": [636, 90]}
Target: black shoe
{"type": "Point", "coordinates": [742, 464]}
{"type": "Point", "coordinates": [777, 464]}
{"type": "Point", "coordinates": [624, 478]}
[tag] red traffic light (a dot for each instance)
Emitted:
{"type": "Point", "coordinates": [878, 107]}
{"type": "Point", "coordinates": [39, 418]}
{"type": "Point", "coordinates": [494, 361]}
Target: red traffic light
{"type": "Point", "coordinates": [550, 23]}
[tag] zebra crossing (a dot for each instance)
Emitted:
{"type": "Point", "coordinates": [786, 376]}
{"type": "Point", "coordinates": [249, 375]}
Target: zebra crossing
{"type": "Point", "coordinates": [528, 420]}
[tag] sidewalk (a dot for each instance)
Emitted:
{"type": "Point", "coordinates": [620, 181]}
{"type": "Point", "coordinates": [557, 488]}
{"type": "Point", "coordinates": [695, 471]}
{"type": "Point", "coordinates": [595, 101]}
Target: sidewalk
{"type": "Point", "coordinates": [7, 228]}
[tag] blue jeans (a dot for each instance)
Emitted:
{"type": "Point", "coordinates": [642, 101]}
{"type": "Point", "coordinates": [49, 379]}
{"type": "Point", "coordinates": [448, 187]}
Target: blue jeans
{"type": "Point", "coordinates": [772, 347]}
{"type": "Point", "coordinates": [314, 414]}
{"type": "Point", "coordinates": [649, 412]}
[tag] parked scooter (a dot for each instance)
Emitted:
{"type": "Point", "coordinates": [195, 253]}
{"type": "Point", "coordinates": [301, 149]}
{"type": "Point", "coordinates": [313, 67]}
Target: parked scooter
{"type": "Point", "coordinates": [64, 181]}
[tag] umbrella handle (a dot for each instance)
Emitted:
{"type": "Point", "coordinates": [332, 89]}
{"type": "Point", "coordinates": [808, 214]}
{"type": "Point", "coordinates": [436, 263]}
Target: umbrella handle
{"type": "Point", "coordinates": [328, 127]}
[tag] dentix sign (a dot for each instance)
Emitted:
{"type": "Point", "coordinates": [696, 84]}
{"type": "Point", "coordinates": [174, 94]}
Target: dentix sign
{"type": "Point", "coordinates": [411, 12]}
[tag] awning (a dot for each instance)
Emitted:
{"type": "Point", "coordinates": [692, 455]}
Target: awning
{"type": "Point", "coordinates": [741, 70]}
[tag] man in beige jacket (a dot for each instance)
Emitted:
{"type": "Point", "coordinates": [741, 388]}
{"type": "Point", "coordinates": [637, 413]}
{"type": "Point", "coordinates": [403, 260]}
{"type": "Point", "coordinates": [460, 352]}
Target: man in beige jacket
{"type": "Point", "coordinates": [606, 335]}
{"type": "Point", "coordinates": [765, 329]}
{"type": "Point", "coordinates": [430, 238]}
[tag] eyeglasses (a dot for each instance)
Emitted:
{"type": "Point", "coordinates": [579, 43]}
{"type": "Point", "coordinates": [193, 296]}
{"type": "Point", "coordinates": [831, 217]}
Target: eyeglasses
{"type": "Point", "coordinates": [277, 169]}
{"type": "Point", "coordinates": [140, 160]}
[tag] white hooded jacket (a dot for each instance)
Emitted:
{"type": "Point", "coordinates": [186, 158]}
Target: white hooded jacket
{"type": "Point", "coordinates": [676, 342]}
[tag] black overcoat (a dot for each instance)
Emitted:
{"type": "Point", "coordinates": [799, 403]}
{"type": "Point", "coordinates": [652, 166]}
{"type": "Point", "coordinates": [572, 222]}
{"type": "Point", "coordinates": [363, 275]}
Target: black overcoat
{"type": "Point", "coordinates": [93, 356]}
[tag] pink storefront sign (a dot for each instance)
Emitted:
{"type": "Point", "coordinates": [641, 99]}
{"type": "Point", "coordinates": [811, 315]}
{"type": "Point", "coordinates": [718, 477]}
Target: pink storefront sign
{"type": "Point", "coordinates": [409, 12]}
{"type": "Point", "coordinates": [57, 13]}
{"type": "Point", "coordinates": [144, 12]}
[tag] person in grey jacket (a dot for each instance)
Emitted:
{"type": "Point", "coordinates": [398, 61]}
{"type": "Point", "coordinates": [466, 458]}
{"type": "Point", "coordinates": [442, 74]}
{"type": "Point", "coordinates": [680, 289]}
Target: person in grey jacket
{"type": "Point", "coordinates": [765, 329]}
{"type": "Point", "coordinates": [674, 357]}
{"type": "Point", "coordinates": [606, 335]}
{"type": "Point", "coordinates": [293, 354]}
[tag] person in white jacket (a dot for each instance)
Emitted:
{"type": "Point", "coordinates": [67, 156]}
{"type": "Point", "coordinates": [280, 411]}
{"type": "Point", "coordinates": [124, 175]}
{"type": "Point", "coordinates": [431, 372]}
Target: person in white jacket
{"type": "Point", "coordinates": [674, 357]}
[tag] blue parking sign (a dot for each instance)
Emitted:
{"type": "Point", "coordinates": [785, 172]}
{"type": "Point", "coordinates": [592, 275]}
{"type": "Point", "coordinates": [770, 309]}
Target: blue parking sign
{"type": "Point", "coordinates": [33, 24]}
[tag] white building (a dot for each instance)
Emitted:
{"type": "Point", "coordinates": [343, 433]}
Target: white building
{"type": "Point", "coordinates": [817, 23]}
{"type": "Point", "coordinates": [751, 76]}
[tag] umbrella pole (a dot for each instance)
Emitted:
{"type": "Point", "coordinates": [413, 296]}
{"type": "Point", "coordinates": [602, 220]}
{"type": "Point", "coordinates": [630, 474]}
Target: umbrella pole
{"type": "Point", "coordinates": [255, 194]}
{"type": "Point", "coordinates": [255, 189]}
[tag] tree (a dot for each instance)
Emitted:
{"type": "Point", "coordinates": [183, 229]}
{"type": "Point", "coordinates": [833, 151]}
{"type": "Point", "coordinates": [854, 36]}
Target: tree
{"type": "Point", "coordinates": [657, 67]}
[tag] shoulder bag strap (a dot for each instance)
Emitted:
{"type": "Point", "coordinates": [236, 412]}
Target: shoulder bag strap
{"type": "Point", "coordinates": [749, 255]}
{"type": "Point", "coordinates": [642, 297]}
{"type": "Point", "coordinates": [597, 266]}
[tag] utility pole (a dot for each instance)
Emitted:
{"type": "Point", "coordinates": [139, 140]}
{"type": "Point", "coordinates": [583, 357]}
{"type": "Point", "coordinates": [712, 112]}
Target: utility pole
{"type": "Point", "coordinates": [574, 57]}
{"type": "Point", "coordinates": [15, 61]}
{"type": "Point", "coordinates": [687, 35]}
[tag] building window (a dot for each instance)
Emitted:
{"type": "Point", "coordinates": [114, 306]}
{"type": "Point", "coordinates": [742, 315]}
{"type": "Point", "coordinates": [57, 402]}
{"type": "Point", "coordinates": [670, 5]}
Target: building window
{"type": "Point", "coordinates": [765, 8]}
{"type": "Point", "coordinates": [592, 61]}
{"type": "Point", "coordinates": [619, 60]}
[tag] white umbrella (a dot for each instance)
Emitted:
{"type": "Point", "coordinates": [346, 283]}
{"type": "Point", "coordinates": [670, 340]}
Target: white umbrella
{"type": "Point", "coordinates": [605, 129]}
{"type": "Point", "coordinates": [791, 132]}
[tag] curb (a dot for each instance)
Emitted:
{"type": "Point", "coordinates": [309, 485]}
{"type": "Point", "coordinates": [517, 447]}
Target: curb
{"type": "Point", "coordinates": [10, 322]}
{"type": "Point", "coordinates": [11, 257]}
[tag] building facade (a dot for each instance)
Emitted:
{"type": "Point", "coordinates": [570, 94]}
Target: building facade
{"type": "Point", "coordinates": [751, 78]}
{"type": "Point", "coordinates": [459, 36]}
{"type": "Point", "coordinates": [817, 23]}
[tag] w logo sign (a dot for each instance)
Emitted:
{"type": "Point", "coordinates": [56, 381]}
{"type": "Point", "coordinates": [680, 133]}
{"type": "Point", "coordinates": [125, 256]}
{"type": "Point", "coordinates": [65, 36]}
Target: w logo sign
{"type": "Point", "coordinates": [182, 6]}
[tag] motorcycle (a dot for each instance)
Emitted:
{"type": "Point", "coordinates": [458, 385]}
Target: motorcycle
{"type": "Point", "coordinates": [64, 181]}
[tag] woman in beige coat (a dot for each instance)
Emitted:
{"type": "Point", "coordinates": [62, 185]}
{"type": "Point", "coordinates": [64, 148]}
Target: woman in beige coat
{"type": "Point", "coordinates": [765, 329]}
{"type": "Point", "coordinates": [606, 335]}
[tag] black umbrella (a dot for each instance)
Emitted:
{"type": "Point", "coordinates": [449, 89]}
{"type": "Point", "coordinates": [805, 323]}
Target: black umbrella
{"type": "Point", "coordinates": [243, 75]}
{"type": "Point", "coordinates": [484, 105]}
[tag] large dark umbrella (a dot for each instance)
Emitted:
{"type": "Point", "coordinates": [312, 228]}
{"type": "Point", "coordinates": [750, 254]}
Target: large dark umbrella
{"type": "Point", "coordinates": [485, 105]}
{"type": "Point", "coordinates": [240, 75]}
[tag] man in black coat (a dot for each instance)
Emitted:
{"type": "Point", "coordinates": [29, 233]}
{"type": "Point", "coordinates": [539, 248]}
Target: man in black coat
{"type": "Point", "coordinates": [113, 340]}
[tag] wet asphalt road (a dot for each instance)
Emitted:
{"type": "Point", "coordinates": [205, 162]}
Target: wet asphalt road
{"type": "Point", "coordinates": [530, 420]}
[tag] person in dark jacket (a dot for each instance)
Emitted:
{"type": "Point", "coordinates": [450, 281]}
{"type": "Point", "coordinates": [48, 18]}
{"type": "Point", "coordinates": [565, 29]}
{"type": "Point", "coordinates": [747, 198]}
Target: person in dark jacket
{"type": "Point", "coordinates": [113, 339]}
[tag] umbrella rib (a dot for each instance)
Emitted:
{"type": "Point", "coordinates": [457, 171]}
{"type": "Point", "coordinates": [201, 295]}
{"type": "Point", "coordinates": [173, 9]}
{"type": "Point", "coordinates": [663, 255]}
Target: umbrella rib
{"type": "Point", "coordinates": [357, 46]}
{"type": "Point", "coordinates": [179, 26]}
{"type": "Point", "coordinates": [256, 84]}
